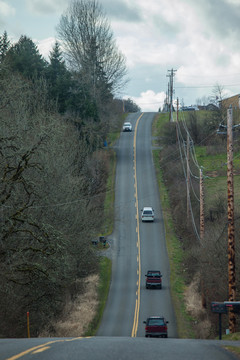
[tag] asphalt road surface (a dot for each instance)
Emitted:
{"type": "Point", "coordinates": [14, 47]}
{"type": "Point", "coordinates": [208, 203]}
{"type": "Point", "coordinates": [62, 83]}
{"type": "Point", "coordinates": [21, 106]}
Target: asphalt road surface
{"type": "Point", "coordinates": [135, 247]}
{"type": "Point", "coordinates": [114, 348]}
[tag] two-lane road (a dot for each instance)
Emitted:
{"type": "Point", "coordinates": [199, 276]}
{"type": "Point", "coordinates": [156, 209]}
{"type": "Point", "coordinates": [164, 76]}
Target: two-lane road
{"type": "Point", "coordinates": [114, 348]}
{"type": "Point", "coordinates": [136, 246]}
{"type": "Point", "coordinates": [152, 235]}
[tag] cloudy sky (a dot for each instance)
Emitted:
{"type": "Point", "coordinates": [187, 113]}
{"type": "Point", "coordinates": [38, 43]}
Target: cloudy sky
{"type": "Point", "coordinates": [197, 38]}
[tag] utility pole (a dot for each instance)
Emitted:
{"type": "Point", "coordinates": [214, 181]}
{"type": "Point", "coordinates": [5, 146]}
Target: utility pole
{"type": "Point", "coordinates": [188, 179]}
{"type": "Point", "coordinates": [177, 123]}
{"type": "Point", "coordinates": [202, 228]}
{"type": "Point", "coordinates": [172, 74]}
{"type": "Point", "coordinates": [168, 103]}
{"type": "Point", "coordinates": [201, 206]}
{"type": "Point", "coordinates": [231, 238]}
{"type": "Point", "coordinates": [177, 108]}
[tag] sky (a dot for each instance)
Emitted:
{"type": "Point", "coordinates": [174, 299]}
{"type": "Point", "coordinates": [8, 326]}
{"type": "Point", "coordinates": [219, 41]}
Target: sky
{"type": "Point", "coordinates": [197, 38]}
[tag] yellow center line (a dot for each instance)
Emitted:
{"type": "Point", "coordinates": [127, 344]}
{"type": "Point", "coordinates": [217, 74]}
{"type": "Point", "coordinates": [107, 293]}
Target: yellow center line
{"type": "Point", "coordinates": [39, 348]}
{"type": "Point", "coordinates": [137, 305]}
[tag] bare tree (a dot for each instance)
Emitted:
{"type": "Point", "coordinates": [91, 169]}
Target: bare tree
{"type": "Point", "coordinates": [218, 94]}
{"type": "Point", "coordinates": [90, 47]}
{"type": "Point", "coordinates": [49, 208]}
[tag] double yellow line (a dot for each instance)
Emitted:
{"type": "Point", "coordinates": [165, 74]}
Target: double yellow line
{"type": "Point", "coordinates": [137, 305]}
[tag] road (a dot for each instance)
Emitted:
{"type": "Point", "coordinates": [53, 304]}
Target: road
{"type": "Point", "coordinates": [116, 348]}
{"type": "Point", "coordinates": [135, 247]}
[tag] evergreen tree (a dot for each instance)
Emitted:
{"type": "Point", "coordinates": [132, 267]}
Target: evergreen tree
{"type": "Point", "coordinates": [81, 102]}
{"type": "Point", "coordinates": [24, 57]}
{"type": "Point", "coordinates": [4, 45]}
{"type": "Point", "coordinates": [59, 78]}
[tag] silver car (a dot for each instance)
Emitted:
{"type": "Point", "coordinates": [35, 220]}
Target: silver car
{"type": "Point", "coordinates": [147, 214]}
{"type": "Point", "coordinates": [127, 126]}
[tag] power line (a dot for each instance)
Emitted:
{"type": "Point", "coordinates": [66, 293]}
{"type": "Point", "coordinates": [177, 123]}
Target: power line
{"type": "Point", "coordinates": [185, 175]}
{"type": "Point", "coordinates": [204, 86]}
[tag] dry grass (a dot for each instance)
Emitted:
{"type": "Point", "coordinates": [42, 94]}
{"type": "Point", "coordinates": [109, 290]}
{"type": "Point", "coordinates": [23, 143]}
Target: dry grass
{"type": "Point", "coordinates": [77, 315]}
{"type": "Point", "coordinates": [193, 300]}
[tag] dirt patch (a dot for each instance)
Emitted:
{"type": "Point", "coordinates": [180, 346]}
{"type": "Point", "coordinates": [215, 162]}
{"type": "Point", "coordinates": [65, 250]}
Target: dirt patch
{"type": "Point", "coordinates": [77, 315]}
{"type": "Point", "coordinates": [193, 300]}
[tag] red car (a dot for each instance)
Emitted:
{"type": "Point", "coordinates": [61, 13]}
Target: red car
{"type": "Point", "coordinates": [153, 279]}
{"type": "Point", "coordinates": [156, 326]}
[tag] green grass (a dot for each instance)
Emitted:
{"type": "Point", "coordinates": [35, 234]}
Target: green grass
{"type": "Point", "coordinates": [110, 197]}
{"type": "Point", "coordinates": [112, 138]}
{"type": "Point", "coordinates": [114, 135]}
{"type": "Point", "coordinates": [157, 125]}
{"type": "Point", "coordinates": [216, 163]}
{"type": "Point", "coordinates": [175, 252]}
{"type": "Point", "coordinates": [105, 266]}
{"type": "Point", "coordinates": [215, 168]}
{"type": "Point", "coordinates": [232, 337]}
{"type": "Point", "coordinates": [233, 349]}
{"type": "Point", "coordinates": [211, 163]}
{"type": "Point", "coordinates": [110, 193]}
{"type": "Point", "coordinates": [176, 258]}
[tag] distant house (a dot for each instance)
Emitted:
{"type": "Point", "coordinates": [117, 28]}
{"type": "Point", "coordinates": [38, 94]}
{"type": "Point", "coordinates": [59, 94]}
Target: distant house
{"type": "Point", "coordinates": [189, 108]}
{"type": "Point", "coordinates": [233, 101]}
{"type": "Point", "coordinates": [209, 107]}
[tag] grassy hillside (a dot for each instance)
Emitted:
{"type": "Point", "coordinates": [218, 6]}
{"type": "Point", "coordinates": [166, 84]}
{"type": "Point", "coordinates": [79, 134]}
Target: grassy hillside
{"type": "Point", "coordinates": [197, 267]}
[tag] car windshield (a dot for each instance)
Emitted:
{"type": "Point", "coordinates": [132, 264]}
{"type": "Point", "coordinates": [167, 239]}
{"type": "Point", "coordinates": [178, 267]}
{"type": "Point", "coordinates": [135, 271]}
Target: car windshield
{"type": "Point", "coordinates": [153, 274]}
{"type": "Point", "coordinates": [158, 322]}
{"type": "Point", "coordinates": [147, 212]}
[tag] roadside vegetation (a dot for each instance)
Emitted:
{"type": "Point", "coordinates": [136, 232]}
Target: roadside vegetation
{"type": "Point", "coordinates": [58, 118]}
{"type": "Point", "coordinates": [199, 269]}
{"type": "Point", "coordinates": [176, 257]}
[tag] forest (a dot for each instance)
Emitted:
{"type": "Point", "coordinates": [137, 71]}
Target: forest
{"type": "Point", "coordinates": [55, 117]}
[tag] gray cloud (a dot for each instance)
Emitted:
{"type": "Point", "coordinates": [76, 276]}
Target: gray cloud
{"type": "Point", "coordinates": [115, 9]}
{"type": "Point", "coordinates": [46, 7]}
{"type": "Point", "coordinates": [220, 17]}
{"type": "Point", "coordinates": [164, 28]}
{"type": "Point", "coordinates": [119, 10]}
{"type": "Point", "coordinates": [198, 38]}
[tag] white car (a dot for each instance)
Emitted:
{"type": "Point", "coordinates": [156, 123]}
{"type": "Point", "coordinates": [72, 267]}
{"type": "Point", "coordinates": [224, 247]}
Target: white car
{"type": "Point", "coordinates": [127, 126]}
{"type": "Point", "coordinates": [147, 214]}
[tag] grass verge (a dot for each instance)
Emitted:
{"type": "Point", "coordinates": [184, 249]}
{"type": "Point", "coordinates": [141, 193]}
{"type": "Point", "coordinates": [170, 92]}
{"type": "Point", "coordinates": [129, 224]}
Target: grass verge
{"type": "Point", "coordinates": [105, 264]}
{"type": "Point", "coordinates": [176, 256]}
{"type": "Point", "coordinates": [105, 270]}
{"type": "Point", "coordinates": [110, 196]}
{"type": "Point", "coordinates": [175, 252]}
{"type": "Point", "coordinates": [233, 349]}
